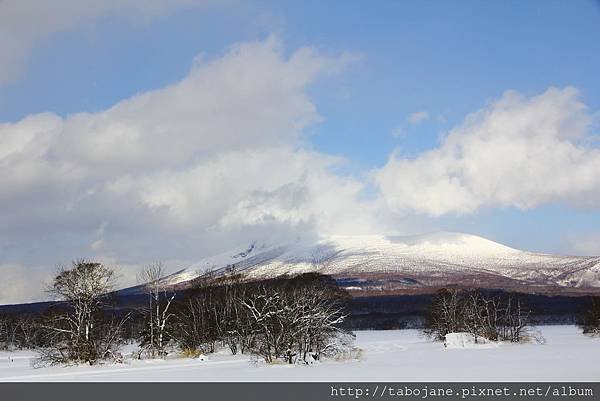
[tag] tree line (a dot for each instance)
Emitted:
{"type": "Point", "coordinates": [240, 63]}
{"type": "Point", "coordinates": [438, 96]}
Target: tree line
{"type": "Point", "coordinates": [294, 319]}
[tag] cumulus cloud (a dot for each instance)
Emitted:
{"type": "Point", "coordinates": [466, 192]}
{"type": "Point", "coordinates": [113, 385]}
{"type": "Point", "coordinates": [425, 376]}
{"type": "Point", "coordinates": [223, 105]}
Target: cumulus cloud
{"type": "Point", "coordinates": [24, 23]}
{"type": "Point", "coordinates": [181, 172]}
{"type": "Point", "coordinates": [517, 152]}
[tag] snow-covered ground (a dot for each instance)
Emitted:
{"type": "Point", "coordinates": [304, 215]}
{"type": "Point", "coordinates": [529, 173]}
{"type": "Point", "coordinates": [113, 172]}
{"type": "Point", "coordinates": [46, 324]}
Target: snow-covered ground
{"type": "Point", "coordinates": [401, 355]}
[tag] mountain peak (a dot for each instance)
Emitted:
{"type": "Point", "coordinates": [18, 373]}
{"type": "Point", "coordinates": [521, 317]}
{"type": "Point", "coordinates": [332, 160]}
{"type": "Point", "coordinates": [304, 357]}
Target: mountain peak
{"type": "Point", "coordinates": [434, 243]}
{"type": "Point", "coordinates": [425, 261]}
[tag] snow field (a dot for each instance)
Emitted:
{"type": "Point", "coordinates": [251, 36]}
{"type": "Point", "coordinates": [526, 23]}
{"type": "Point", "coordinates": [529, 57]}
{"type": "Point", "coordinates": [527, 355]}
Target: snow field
{"type": "Point", "coordinates": [396, 355]}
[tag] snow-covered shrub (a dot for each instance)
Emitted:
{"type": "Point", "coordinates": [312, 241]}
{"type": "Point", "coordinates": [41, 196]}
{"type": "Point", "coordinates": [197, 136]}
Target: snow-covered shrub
{"type": "Point", "coordinates": [464, 340]}
{"type": "Point", "coordinates": [459, 340]}
{"type": "Point", "coordinates": [344, 349]}
{"type": "Point", "coordinates": [533, 335]}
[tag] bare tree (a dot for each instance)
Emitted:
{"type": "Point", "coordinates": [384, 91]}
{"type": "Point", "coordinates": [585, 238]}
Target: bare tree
{"type": "Point", "coordinates": [18, 331]}
{"type": "Point", "coordinates": [263, 306]}
{"type": "Point", "coordinates": [486, 317]}
{"type": "Point", "coordinates": [78, 330]}
{"type": "Point", "coordinates": [589, 321]}
{"type": "Point", "coordinates": [155, 337]}
{"type": "Point", "coordinates": [4, 332]}
{"type": "Point", "coordinates": [317, 309]}
{"type": "Point", "coordinates": [28, 332]}
{"type": "Point", "coordinates": [444, 314]}
{"type": "Point", "coordinates": [515, 321]}
{"type": "Point", "coordinates": [194, 328]}
{"type": "Point", "coordinates": [296, 319]}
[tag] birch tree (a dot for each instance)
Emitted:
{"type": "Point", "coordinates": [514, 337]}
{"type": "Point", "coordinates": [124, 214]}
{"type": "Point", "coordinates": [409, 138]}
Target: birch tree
{"type": "Point", "coordinates": [155, 336]}
{"type": "Point", "coordinates": [77, 328]}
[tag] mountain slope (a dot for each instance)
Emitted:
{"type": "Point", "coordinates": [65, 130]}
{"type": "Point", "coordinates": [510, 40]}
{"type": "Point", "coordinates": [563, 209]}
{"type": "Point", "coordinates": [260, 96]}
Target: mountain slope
{"type": "Point", "coordinates": [409, 264]}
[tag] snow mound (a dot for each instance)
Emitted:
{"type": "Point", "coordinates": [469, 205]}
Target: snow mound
{"type": "Point", "coordinates": [465, 340]}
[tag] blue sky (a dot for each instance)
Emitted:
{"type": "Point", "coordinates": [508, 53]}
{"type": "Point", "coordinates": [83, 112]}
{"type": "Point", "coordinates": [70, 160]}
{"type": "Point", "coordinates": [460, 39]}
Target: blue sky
{"type": "Point", "coordinates": [437, 56]}
{"type": "Point", "coordinates": [444, 60]}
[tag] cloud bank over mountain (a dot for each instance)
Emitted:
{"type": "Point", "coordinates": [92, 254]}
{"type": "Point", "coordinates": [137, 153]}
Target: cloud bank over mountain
{"type": "Point", "coordinates": [181, 171]}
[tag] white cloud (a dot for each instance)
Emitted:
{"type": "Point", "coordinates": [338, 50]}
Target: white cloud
{"type": "Point", "coordinates": [22, 284]}
{"type": "Point", "coordinates": [516, 152]}
{"type": "Point", "coordinates": [418, 117]}
{"type": "Point", "coordinates": [252, 187]}
{"type": "Point", "coordinates": [25, 23]}
{"type": "Point", "coordinates": [399, 131]}
{"type": "Point", "coordinates": [178, 173]}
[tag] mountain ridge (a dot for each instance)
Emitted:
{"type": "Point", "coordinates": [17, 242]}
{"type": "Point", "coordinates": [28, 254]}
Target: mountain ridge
{"type": "Point", "coordinates": [405, 264]}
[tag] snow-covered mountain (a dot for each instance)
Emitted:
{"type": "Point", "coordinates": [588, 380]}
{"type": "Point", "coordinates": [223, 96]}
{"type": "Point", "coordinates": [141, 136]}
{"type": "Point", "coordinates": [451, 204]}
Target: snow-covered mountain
{"type": "Point", "coordinates": [388, 264]}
